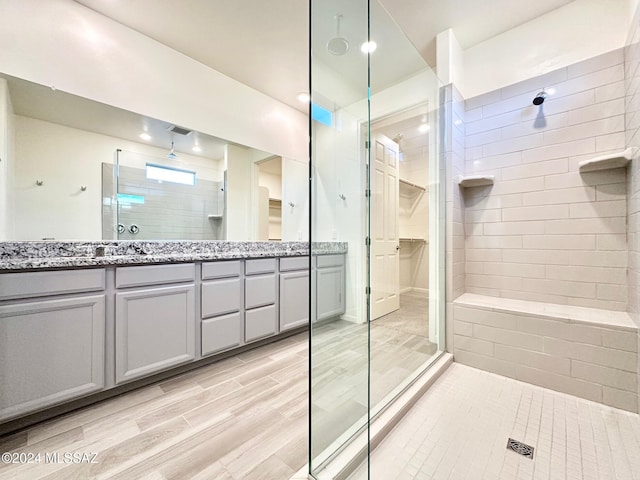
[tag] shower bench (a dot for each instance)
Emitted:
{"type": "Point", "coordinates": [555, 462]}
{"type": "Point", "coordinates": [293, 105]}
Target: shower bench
{"type": "Point", "coordinates": [586, 352]}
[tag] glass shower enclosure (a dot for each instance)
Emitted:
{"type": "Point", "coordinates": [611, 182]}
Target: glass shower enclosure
{"type": "Point", "coordinates": [375, 186]}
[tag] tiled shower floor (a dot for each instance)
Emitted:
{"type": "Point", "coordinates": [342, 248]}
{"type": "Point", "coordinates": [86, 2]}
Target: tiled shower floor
{"type": "Point", "coordinates": [459, 429]}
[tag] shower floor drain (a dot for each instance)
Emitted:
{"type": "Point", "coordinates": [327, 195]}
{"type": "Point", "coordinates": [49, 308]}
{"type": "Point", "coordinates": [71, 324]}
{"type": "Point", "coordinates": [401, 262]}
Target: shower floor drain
{"type": "Point", "coordinates": [521, 448]}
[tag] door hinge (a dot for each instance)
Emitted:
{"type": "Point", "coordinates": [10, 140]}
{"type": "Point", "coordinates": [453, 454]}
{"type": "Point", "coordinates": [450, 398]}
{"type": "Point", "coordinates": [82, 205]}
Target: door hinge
{"type": "Point", "coordinates": [367, 193]}
{"type": "Point", "coordinates": [367, 241]}
{"type": "Point", "coordinates": [366, 144]}
{"type": "Point", "coordinates": [367, 290]}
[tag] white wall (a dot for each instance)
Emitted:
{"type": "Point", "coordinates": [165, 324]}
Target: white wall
{"type": "Point", "coordinates": [577, 31]}
{"type": "Point", "coordinates": [64, 44]}
{"type": "Point", "coordinates": [64, 159]}
{"type": "Point", "coordinates": [271, 182]}
{"type": "Point", "coordinates": [6, 161]}
{"type": "Point", "coordinates": [242, 184]}
{"type": "Point", "coordinates": [449, 57]}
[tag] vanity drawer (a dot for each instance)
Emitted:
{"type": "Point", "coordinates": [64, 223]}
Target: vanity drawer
{"type": "Point", "coordinates": [259, 290]}
{"type": "Point", "coordinates": [221, 269]}
{"type": "Point", "coordinates": [154, 275]}
{"type": "Point", "coordinates": [260, 265]}
{"type": "Point", "coordinates": [221, 333]}
{"type": "Point", "coordinates": [330, 261]}
{"type": "Point", "coordinates": [39, 284]}
{"type": "Point", "coordinates": [260, 322]}
{"type": "Point", "coordinates": [294, 263]}
{"type": "Point", "coordinates": [221, 296]}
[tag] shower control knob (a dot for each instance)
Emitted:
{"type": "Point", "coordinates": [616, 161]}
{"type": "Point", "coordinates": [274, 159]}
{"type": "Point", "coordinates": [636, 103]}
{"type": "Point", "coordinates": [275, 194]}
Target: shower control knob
{"type": "Point", "coordinates": [133, 229]}
{"type": "Point", "coordinates": [120, 228]}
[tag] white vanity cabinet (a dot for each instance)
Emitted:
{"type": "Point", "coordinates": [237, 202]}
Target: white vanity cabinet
{"type": "Point", "coordinates": [294, 292]}
{"type": "Point", "coordinates": [155, 319]}
{"type": "Point", "coordinates": [330, 286]}
{"type": "Point", "coordinates": [222, 305]}
{"type": "Point", "coordinates": [260, 294]}
{"type": "Point", "coordinates": [52, 331]}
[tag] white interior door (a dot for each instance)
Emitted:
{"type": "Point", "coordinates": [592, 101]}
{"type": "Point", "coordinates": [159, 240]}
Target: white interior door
{"type": "Point", "coordinates": [385, 244]}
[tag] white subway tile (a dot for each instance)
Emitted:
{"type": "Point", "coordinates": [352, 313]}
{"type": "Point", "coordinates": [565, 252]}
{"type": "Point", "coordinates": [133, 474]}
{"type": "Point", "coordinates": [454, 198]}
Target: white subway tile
{"type": "Point", "coordinates": [515, 103]}
{"type": "Point", "coordinates": [474, 267]}
{"type": "Point", "coordinates": [598, 304]}
{"type": "Point", "coordinates": [598, 111]}
{"type": "Point", "coordinates": [585, 130]}
{"type": "Point", "coordinates": [535, 213]}
{"type": "Point", "coordinates": [514, 228]}
{"type": "Point", "coordinates": [535, 297]}
{"type": "Point", "coordinates": [480, 100]}
{"type": "Point", "coordinates": [611, 242]}
{"type": "Point", "coordinates": [559, 242]}
{"type": "Point", "coordinates": [614, 208]}
{"type": "Point", "coordinates": [610, 92]}
{"type": "Point", "coordinates": [542, 361]}
{"type": "Point", "coordinates": [481, 291]}
{"type": "Point", "coordinates": [613, 191]}
{"type": "Point", "coordinates": [620, 399]}
{"type": "Point", "coordinates": [561, 150]}
{"type": "Point", "coordinates": [593, 64]}
{"type": "Point", "coordinates": [506, 187]}
{"type": "Point", "coordinates": [557, 196]}
{"type": "Point", "coordinates": [598, 258]}
{"type": "Point", "coordinates": [483, 362]}
{"type": "Point", "coordinates": [575, 179]}
{"type": "Point", "coordinates": [509, 337]}
{"type": "Point", "coordinates": [483, 138]}
{"type": "Point", "coordinates": [484, 255]}
{"type": "Point", "coordinates": [536, 169]}
{"type": "Point", "coordinates": [590, 81]}
{"type": "Point", "coordinates": [544, 257]}
{"type": "Point", "coordinates": [561, 383]}
{"type": "Point", "coordinates": [587, 274]}
{"type": "Point", "coordinates": [613, 225]}
{"type": "Point", "coordinates": [493, 281]}
{"type": "Point", "coordinates": [529, 127]}
{"type": "Point", "coordinates": [488, 202]}
{"type": "Point", "coordinates": [496, 161]}
{"type": "Point", "coordinates": [515, 270]}
{"type": "Point", "coordinates": [480, 216]}
{"type": "Point", "coordinates": [620, 340]}
{"type": "Point", "coordinates": [613, 142]}
{"type": "Point", "coordinates": [475, 114]}
{"type": "Point", "coordinates": [616, 293]}
{"type": "Point", "coordinates": [513, 145]}
{"type": "Point", "coordinates": [462, 328]}
{"type": "Point", "coordinates": [560, 287]}
{"type": "Point", "coordinates": [531, 86]}
{"type": "Point", "coordinates": [473, 345]}
{"type": "Point", "coordinates": [603, 356]}
{"type": "Point", "coordinates": [565, 103]}
{"type": "Point", "coordinates": [483, 316]}
{"type": "Point", "coordinates": [497, 241]}
{"type": "Point", "coordinates": [604, 375]}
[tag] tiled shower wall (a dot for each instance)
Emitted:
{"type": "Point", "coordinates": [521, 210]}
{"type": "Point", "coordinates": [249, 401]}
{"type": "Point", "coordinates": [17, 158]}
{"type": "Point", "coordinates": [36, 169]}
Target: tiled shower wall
{"type": "Point", "coordinates": [543, 231]}
{"type": "Point", "coordinates": [632, 103]}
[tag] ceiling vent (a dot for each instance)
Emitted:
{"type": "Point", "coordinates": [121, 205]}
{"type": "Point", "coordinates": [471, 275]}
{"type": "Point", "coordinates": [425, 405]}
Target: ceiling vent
{"type": "Point", "coordinates": [179, 130]}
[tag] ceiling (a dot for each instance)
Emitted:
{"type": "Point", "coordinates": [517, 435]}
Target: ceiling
{"type": "Point", "coordinates": [264, 44]}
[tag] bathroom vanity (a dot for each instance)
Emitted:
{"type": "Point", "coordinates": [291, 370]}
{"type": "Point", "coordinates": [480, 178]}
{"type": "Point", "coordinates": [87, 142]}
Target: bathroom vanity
{"type": "Point", "coordinates": [73, 324]}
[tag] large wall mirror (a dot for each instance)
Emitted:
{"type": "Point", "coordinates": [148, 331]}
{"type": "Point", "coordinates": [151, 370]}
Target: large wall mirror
{"type": "Point", "coordinates": [83, 170]}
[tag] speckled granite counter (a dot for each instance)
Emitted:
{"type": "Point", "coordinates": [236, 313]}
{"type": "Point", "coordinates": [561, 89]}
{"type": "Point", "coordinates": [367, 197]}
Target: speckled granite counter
{"type": "Point", "coordinates": [59, 254]}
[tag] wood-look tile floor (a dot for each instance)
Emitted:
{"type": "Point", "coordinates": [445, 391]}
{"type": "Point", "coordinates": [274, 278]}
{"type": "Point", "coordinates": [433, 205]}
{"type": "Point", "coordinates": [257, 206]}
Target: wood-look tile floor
{"type": "Point", "coordinates": [244, 417]}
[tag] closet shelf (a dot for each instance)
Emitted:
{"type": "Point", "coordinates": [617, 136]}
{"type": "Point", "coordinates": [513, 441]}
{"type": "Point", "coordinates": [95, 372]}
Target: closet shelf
{"type": "Point", "coordinates": [476, 181]}
{"type": "Point", "coordinates": [606, 162]}
{"type": "Point", "coordinates": [411, 186]}
{"type": "Point", "coordinates": [413, 240]}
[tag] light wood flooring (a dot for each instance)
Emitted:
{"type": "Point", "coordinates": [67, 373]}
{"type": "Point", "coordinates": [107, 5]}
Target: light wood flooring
{"type": "Point", "coordinates": [241, 418]}
{"type": "Point", "coordinates": [245, 417]}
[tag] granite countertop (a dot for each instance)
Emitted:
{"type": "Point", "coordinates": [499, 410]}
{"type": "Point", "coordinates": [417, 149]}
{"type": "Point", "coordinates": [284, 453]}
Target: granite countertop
{"type": "Point", "coordinates": [75, 254]}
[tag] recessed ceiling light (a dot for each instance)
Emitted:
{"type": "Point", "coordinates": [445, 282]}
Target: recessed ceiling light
{"type": "Point", "coordinates": [145, 136]}
{"type": "Point", "coordinates": [368, 47]}
{"type": "Point", "coordinates": [196, 148]}
{"type": "Point", "coordinates": [304, 97]}
{"type": "Point", "coordinates": [551, 91]}
{"type": "Point", "coordinates": [424, 128]}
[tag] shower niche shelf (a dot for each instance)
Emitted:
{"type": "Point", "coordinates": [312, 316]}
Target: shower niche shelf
{"type": "Point", "coordinates": [476, 181]}
{"type": "Point", "coordinates": [410, 189]}
{"type": "Point", "coordinates": [606, 162]}
{"type": "Point", "coordinates": [214, 217]}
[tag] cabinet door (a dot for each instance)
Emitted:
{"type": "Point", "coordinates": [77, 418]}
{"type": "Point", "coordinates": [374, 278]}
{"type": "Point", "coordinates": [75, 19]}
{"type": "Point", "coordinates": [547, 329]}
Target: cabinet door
{"type": "Point", "coordinates": [155, 330]}
{"type": "Point", "coordinates": [260, 322]}
{"type": "Point", "coordinates": [294, 299]}
{"type": "Point", "coordinates": [329, 292]}
{"type": "Point", "coordinates": [50, 352]}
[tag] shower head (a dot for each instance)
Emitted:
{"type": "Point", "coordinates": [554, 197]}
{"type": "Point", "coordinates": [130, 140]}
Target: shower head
{"type": "Point", "coordinates": [539, 99]}
{"type": "Point", "coordinates": [338, 45]}
{"type": "Point", "coordinates": [172, 155]}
